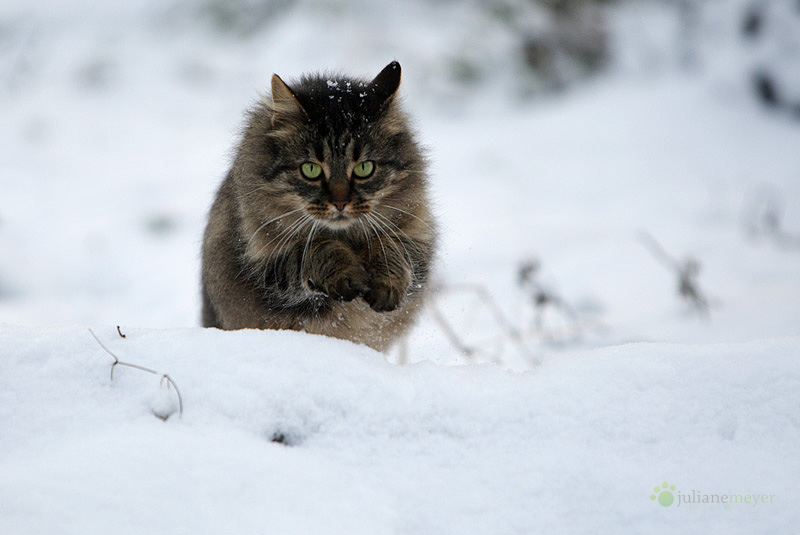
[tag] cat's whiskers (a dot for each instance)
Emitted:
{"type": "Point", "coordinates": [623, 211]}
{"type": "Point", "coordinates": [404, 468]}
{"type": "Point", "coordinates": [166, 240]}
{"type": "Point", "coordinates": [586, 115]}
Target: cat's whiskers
{"type": "Point", "coordinates": [255, 255]}
{"type": "Point", "coordinates": [295, 231]}
{"type": "Point", "coordinates": [378, 231]}
{"type": "Point", "coordinates": [285, 234]}
{"type": "Point", "coordinates": [309, 241]}
{"type": "Point", "coordinates": [286, 242]}
{"type": "Point", "coordinates": [281, 235]}
{"type": "Point", "coordinates": [252, 237]}
{"type": "Point", "coordinates": [393, 242]}
{"type": "Point", "coordinates": [378, 217]}
{"type": "Point", "coordinates": [409, 214]}
{"type": "Point", "coordinates": [366, 237]}
{"type": "Point", "coordinates": [257, 189]}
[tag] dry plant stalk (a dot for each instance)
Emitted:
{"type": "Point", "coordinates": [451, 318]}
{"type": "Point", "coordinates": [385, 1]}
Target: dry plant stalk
{"type": "Point", "coordinates": [542, 297]}
{"type": "Point", "coordinates": [165, 378]}
{"type": "Point", "coordinates": [765, 219]}
{"type": "Point", "coordinates": [485, 298]}
{"type": "Point", "coordinates": [687, 272]}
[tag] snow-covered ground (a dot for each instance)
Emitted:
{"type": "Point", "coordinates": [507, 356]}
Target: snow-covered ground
{"type": "Point", "coordinates": [118, 119]}
{"type": "Point", "coordinates": [370, 447]}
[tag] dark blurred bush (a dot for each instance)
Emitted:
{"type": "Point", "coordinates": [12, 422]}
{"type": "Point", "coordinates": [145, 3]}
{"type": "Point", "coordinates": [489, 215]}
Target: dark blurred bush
{"type": "Point", "coordinates": [572, 45]}
{"type": "Point", "coordinates": [771, 30]}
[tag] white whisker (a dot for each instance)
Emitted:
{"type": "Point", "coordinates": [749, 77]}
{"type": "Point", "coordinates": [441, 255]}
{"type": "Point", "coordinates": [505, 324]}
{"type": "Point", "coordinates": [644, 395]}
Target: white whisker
{"type": "Point", "coordinates": [270, 221]}
{"type": "Point", "coordinates": [407, 213]}
{"type": "Point", "coordinates": [309, 240]}
{"type": "Point", "coordinates": [380, 240]}
{"type": "Point", "coordinates": [391, 241]}
{"type": "Point", "coordinates": [386, 221]}
{"type": "Point", "coordinates": [285, 242]}
{"type": "Point", "coordinates": [284, 232]}
{"type": "Point", "coordinates": [366, 237]}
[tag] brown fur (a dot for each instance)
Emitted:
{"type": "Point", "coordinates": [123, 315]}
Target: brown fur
{"type": "Point", "coordinates": [279, 254]}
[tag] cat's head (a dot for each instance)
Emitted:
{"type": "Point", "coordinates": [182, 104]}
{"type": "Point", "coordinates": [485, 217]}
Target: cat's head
{"type": "Point", "coordinates": [333, 148]}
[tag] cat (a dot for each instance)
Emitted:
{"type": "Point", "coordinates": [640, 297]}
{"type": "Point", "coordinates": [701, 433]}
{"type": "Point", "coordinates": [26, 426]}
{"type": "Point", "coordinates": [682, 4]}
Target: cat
{"type": "Point", "coordinates": [323, 223]}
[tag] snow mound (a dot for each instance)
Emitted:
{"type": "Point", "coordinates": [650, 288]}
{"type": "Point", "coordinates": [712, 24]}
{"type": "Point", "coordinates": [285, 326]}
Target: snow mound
{"type": "Point", "coordinates": [288, 432]}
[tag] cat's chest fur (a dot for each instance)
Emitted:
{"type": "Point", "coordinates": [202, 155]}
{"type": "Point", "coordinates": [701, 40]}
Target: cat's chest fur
{"type": "Point", "coordinates": [322, 224]}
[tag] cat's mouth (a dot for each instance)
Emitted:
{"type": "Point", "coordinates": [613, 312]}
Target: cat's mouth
{"type": "Point", "coordinates": [336, 220]}
{"type": "Point", "coordinates": [340, 219]}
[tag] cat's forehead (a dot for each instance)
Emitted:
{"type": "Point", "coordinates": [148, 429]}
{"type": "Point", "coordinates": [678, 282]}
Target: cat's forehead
{"type": "Point", "coordinates": [338, 103]}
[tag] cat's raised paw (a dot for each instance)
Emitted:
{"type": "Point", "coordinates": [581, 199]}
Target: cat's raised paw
{"type": "Point", "coordinates": [383, 298]}
{"type": "Point", "coordinates": [347, 284]}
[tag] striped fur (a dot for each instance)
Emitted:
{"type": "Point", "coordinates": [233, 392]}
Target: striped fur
{"type": "Point", "coordinates": [279, 253]}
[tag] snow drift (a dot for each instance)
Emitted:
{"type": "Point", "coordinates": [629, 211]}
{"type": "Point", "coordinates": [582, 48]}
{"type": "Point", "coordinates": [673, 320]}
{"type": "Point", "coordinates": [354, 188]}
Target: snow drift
{"type": "Point", "coordinates": [369, 447]}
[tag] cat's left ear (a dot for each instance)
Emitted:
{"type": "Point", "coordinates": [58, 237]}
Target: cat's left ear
{"type": "Point", "coordinates": [386, 83]}
{"type": "Point", "coordinates": [284, 101]}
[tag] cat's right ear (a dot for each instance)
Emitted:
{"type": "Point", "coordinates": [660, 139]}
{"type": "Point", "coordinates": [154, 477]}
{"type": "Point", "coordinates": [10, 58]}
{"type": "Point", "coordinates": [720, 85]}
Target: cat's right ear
{"type": "Point", "coordinates": [386, 83]}
{"type": "Point", "coordinates": [284, 102]}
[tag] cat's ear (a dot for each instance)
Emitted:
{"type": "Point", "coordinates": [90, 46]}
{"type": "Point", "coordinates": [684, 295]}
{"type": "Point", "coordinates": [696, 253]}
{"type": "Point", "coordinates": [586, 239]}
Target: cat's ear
{"type": "Point", "coordinates": [386, 83]}
{"type": "Point", "coordinates": [284, 101]}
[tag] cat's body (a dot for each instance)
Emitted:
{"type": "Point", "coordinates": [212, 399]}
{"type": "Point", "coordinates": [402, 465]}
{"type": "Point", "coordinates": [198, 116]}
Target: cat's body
{"type": "Point", "coordinates": [322, 224]}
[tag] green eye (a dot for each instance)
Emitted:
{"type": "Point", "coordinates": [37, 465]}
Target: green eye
{"type": "Point", "coordinates": [364, 169]}
{"type": "Point", "coordinates": [311, 170]}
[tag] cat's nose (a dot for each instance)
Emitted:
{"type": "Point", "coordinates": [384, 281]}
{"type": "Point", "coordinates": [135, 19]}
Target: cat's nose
{"type": "Point", "coordinates": [340, 204]}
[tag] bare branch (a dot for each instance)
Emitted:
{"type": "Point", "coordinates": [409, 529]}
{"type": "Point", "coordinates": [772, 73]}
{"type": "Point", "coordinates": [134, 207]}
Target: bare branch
{"type": "Point", "coordinates": [764, 218]}
{"type": "Point", "coordinates": [687, 272]}
{"type": "Point", "coordinates": [450, 333]}
{"type": "Point", "coordinates": [541, 297]}
{"type": "Point", "coordinates": [164, 377]}
{"type": "Point", "coordinates": [496, 313]}
{"type": "Point", "coordinates": [658, 252]}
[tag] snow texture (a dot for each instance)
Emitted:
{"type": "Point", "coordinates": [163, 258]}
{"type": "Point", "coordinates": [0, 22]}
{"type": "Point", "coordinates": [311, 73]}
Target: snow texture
{"type": "Point", "coordinates": [370, 447]}
{"type": "Point", "coordinates": [118, 120]}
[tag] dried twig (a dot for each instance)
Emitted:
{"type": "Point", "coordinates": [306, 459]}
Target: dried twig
{"type": "Point", "coordinates": [450, 333]}
{"type": "Point", "coordinates": [541, 297]}
{"type": "Point", "coordinates": [686, 271]}
{"type": "Point", "coordinates": [120, 332]}
{"type": "Point", "coordinates": [764, 218]}
{"type": "Point", "coordinates": [165, 378]}
{"type": "Point", "coordinates": [496, 313]}
{"type": "Point", "coordinates": [545, 302]}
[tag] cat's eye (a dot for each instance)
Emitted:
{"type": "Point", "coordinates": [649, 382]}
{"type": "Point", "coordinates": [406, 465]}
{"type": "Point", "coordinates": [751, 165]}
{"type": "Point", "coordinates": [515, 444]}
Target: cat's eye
{"type": "Point", "coordinates": [364, 169]}
{"type": "Point", "coordinates": [311, 170]}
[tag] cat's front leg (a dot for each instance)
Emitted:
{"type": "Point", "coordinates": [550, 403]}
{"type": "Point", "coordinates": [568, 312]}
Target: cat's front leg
{"type": "Point", "coordinates": [390, 279]}
{"type": "Point", "coordinates": [335, 270]}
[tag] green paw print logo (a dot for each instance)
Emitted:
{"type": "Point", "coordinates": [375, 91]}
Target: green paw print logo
{"type": "Point", "coordinates": [663, 494]}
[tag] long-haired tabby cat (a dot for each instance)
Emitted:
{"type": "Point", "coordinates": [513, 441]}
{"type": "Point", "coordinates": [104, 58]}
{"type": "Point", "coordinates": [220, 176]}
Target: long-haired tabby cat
{"type": "Point", "coordinates": [322, 223]}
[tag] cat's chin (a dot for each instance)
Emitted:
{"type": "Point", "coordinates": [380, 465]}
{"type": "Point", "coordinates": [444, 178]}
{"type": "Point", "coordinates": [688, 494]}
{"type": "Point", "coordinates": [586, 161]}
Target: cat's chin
{"type": "Point", "coordinates": [338, 221]}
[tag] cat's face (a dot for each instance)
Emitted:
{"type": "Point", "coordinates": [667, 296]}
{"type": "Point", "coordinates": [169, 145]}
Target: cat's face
{"type": "Point", "coordinates": [336, 154]}
{"type": "Point", "coordinates": [341, 182]}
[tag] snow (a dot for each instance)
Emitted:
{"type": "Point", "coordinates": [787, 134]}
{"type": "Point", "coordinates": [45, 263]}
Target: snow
{"type": "Point", "coordinates": [118, 120]}
{"type": "Point", "coordinates": [377, 448]}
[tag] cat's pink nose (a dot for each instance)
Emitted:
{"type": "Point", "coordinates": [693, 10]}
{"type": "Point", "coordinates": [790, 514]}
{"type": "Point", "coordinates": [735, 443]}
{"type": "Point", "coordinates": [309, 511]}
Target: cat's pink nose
{"type": "Point", "coordinates": [340, 204]}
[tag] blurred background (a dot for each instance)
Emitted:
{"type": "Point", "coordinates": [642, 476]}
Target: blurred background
{"type": "Point", "coordinates": [604, 171]}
